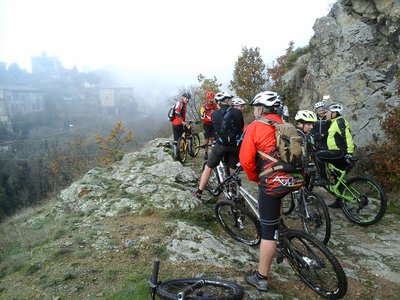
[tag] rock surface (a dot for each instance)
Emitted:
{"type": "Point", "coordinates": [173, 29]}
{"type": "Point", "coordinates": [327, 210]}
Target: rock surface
{"type": "Point", "coordinates": [355, 58]}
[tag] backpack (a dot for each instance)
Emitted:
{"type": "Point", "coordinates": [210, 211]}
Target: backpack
{"type": "Point", "coordinates": [171, 113]}
{"type": "Point", "coordinates": [289, 144]}
{"type": "Point", "coordinates": [228, 131]}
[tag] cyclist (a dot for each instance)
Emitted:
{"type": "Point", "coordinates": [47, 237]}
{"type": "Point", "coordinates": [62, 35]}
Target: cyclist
{"type": "Point", "coordinates": [274, 179]}
{"type": "Point", "coordinates": [321, 126]}
{"type": "Point", "coordinates": [305, 121]}
{"type": "Point", "coordinates": [320, 110]}
{"type": "Point", "coordinates": [239, 103]}
{"type": "Point", "coordinates": [222, 150]}
{"type": "Point", "coordinates": [179, 120]}
{"type": "Point", "coordinates": [205, 113]}
{"type": "Point", "coordinates": [339, 146]}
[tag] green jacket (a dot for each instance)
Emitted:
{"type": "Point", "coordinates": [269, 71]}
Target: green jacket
{"type": "Point", "coordinates": [339, 136]}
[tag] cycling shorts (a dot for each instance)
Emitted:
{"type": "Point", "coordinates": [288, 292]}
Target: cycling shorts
{"type": "Point", "coordinates": [269, 208]}
{"type": "Point", "coordinates": [177, 131]}
{"type": "Point", "coordinates": [209, 131]}
{"type": "Point", "coordinates": [228, 154]}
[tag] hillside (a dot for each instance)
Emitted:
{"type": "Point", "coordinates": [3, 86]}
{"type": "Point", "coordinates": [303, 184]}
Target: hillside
{"type": "Point", "coordinates": [97, 239]}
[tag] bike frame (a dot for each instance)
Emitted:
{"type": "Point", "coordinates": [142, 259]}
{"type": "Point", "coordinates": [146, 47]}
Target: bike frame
{"type": "Point", "coordinates": [300, 202]}
{"type": "Point", "coordinates": [352, 195]}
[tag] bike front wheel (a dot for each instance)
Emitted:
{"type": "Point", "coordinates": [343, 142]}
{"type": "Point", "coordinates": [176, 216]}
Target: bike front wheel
{"type": "Point", "coordinates": [213, 182]}
{"type": "Point", "coordinates": [182, 149]}
{"type": "Point", "coordinates": [195, 145]}
{"type": "Point", "coordinates": [212, 289]}
{"type": "Point", "coordinates": [364, 201]}
{"type": "Point", "coordinates": [316, 220]}
{"type": "Point", "coordinates": [316, 265]}
{"type": "Point", "coordinates": [238, 222]}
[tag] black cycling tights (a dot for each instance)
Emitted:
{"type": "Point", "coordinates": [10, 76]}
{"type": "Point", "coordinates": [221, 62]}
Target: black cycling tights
{"type": "Point", "coordinates": [336, 157]}
{"type": "Point", "coordinates": [269, 208]}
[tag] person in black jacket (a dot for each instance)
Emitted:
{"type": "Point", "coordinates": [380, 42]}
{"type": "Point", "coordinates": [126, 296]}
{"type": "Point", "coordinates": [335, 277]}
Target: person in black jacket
{"type": "Point", "coordinates": [228, 124]}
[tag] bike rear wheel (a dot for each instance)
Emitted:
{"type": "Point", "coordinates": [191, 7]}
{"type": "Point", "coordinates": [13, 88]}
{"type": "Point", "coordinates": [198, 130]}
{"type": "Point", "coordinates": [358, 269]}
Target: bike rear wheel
{"type": "Point", "coordinates": [238, 222]}
{"type": "Point", "coordinates": [182, 150]}
{"type": "Point", "coordinates": [213, 182]}
{"type": "Point", "coordinates": [369, 202]}
{"type": "Point", "coordinates": [195, 145]}
{"type": "Point", "coordinates": [318, 222]}
{"type": "Point", "coordinates": [316, 265]}
{"type": "Point", "coordinates": [212, 289]}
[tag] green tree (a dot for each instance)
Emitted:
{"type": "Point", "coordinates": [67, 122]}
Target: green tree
{"type": "Point", "coordinates": [206, 85]}
{"type": "Point", "coordinates": [249, 76]}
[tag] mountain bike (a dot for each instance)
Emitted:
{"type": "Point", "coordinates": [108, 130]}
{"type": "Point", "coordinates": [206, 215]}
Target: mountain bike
{"type": "Point", "coordinates": [189, 142]}
{"type": "Point", "coordinates": [311, 209]}
{"type": "Point", "coordinates": [311, 260]}
{"type": "Point", "coordinates": [192, 288]}
{"type": "Point", "coordinates": [362, 200]}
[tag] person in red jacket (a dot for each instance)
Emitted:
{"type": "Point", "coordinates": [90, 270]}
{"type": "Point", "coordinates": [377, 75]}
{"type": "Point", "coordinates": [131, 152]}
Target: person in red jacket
{"type": "Point", "coordinates": [179, 120]}
{"type": "Point", "coordinates": [275, 179]}
{"type": "Point", "coordinates": [205, 113]}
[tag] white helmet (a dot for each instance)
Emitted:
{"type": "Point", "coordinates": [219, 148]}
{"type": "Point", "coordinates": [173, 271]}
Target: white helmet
{"type": "Point", "coordinates": [335, 107]}
{"type": "Point", "coordinates": [267, 98]}
{"type": "Point", "coordinates": [222, 96]}
{"type": "Point", "coordinates": [319, 105]}
{"type": "Point", "coordinates": [306, 116]}
{"type": "Point", "coordinates": [238, 101]}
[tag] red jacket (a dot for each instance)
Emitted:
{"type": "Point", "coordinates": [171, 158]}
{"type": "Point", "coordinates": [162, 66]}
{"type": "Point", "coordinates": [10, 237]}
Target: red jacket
{"type": "Point", "coordinates": [260, 136]}
{"type": "Point", "coordinates": [206, 110]}
{"type": "Point", "coordinates": [180, 110]}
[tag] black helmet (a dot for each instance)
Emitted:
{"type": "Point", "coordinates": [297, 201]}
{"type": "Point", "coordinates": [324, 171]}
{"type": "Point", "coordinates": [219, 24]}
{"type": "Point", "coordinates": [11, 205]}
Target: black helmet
{"type": "Point", "coordinates": [187, 95]}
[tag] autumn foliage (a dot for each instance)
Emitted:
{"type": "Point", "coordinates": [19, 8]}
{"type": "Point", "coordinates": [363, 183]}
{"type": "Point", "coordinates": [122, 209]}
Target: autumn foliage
{"type": "Point", "coordinates": [111, 146]}
{"type": "Point", "coordinates": [383, 160]}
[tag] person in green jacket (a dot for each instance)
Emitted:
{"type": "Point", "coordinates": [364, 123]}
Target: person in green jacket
{"type": "Point", "coordinates": [339, 146]}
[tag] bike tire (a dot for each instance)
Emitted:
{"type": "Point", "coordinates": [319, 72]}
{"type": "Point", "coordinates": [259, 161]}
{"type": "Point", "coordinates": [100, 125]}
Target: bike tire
{"type": "Point", "coordinates": [212, 289]}
{"type": "Point", "coordinates": [315, 264]}
{"type": "Point", "coordinates": [182, 149]}
{"type": "Point", "coordinates": [238, 222]}
{"type": "Point", "coordinates": [371, 202]}
{"type": "Point", "coordinates": [195, 145]}
{"type": "Point", "coordinates": [213, 182]}
{"type": "Point", "coordinates": [288, 204]}
{"type": "Point", "coordinates": [318, 224]}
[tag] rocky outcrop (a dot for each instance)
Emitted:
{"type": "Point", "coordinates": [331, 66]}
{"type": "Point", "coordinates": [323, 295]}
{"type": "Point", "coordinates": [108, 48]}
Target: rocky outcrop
{"type": "Point", "coordinates": [355, 58]}
{"type": "Point", "coordinates": [144, 180]}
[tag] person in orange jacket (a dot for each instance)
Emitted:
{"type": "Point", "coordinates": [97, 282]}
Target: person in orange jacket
{"type": "Point", "coordinates": [205, 113]}
{"type": "Point", "coordinates": [275, 179]}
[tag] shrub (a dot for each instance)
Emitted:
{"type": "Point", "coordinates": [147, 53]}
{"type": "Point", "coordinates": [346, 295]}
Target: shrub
{"type": "Point", "coordinates": [383, 160]}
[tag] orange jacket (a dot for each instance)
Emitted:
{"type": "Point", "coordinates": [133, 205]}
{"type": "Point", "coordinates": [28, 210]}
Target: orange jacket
{"type": "Point", "coordinates": [206, 110]}
{"type": "Point", "coordinates": [260, 136]}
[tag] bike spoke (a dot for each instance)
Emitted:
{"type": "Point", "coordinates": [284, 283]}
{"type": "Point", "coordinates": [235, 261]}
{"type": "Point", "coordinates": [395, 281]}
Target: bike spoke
{"type": "Point", "coordinates": [316, 268]}
{"type": "Point", "coordinates": [238, 222]}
